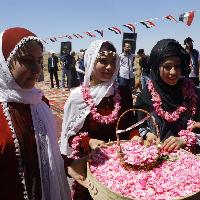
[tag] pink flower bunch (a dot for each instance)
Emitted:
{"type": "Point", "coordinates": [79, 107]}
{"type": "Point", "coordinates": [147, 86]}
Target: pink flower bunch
{"type": "Point", "coordinates": [103, 119]}
{"type": "Point", "coordinates": [189, 137]}
{"type": "Point", "coordinates": [190, 123]}
{"type": "Point", "coordinates": [175, 178]}
{"type": "Point", "coordinates": [76, 145]}
{"type": "Point", "coordinates": [137, 154]}
{"type": "Point", "coordinates": [188, 93]}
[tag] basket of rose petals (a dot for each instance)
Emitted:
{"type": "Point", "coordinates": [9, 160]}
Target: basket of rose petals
{"type": "Point", "coordinates": [175, 178]}
{"type": "Point", "coordinates": [137, 170]}
{"type": "Point", "coordinates": [137, 154]}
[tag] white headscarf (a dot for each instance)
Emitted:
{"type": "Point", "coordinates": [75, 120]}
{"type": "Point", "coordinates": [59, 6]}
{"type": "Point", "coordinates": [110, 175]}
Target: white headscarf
{"type": "Point", "coordinates": [75, 109]}
{"type": "Point", "coordinates": [53, 177]}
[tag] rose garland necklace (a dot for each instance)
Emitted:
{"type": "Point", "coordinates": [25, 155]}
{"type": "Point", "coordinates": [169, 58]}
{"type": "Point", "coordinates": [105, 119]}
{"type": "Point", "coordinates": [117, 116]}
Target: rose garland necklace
{"type": "Point", "coordinates": [103, 119]}
{"type": "Point", "coordinates": [188, 93]}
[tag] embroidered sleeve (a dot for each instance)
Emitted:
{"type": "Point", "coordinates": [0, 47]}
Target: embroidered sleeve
{"type": "Point", "coordinates": [78, 143]}
{"type": "Point", "coordinates": [143, 131]}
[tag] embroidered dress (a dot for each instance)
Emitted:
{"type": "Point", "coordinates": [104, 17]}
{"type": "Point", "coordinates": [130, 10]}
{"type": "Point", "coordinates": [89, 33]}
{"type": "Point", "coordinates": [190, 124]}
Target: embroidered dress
{"type": "Point", "coordinates": [88, 117]}
{"type": "Point", "coordinates": [29, 151]}
{"type": "Point", "coordinates": [22, 122]}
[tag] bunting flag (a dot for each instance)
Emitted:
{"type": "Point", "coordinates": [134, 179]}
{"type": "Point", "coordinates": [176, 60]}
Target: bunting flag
{"type": "Point", "coordinates": [45, 41]}
{"type": "Point", "coordinates": [53, 39]}
{"type": "Point", "coordinates": [78, 36]}
{"type": "Point", "coordinates": [131, 27]}
{"type": "Point", "coordinates": [187, 17]}
{"type": "Point", "coordinates": [69, 36]}
{"type": "Point", "coordinates": [148, 23]}
{"type": "Point", "coordinates": [115, 29]}
{"type": "Point", "coordinates": [90, 34]}
{"type": "Point", "coordinates": [170, 17]}
{"type": "Point", "coordinates": [100, 31]}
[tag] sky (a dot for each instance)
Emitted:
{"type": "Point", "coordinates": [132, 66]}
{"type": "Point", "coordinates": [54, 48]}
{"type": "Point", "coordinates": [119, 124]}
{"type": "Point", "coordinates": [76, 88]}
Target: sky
{"type": "Point", "coordinates": [54, 18]}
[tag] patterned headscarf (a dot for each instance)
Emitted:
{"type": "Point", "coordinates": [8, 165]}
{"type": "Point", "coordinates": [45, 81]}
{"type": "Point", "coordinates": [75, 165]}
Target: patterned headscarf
{"type": "Point", "coordinates": [76, 110]}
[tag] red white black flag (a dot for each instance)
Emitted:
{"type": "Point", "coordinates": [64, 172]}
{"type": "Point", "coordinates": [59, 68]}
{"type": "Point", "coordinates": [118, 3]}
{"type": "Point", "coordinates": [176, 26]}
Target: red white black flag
{"type": "Point", "coordinates": [148, 23]}
{"type": "Point", "coordinates": [90, 34]}
{"type": "Point", "coordinates": [53, 39]}
{"type": "Point", "coordinates": [115, 29]}
{"type": "Point", "coordinates": [170, 17]}
{"type": "Point", "coordinates": [100, 31]}
{"type": "Point", "coordinates": [187, 17]}
{"type": "Point", "coordinates": [45, 41]}
{"type": "Point", "coordinates": [77, 35]}
{"type": "Point", "coordinates": [131, 27]}
{"type": "Point", "coordinates": [68, 36]}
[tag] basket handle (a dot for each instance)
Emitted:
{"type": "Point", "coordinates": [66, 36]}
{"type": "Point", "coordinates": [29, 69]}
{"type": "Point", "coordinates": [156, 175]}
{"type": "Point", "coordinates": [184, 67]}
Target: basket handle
{"type": "Point", "coordinates": [149, 116]}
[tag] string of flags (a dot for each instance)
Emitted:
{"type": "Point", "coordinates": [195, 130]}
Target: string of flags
{"type": "Point", "coordinates": [186, 18]}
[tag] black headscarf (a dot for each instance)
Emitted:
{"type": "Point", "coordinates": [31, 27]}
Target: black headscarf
{"type": "Point", "coordinates": [171, 95]}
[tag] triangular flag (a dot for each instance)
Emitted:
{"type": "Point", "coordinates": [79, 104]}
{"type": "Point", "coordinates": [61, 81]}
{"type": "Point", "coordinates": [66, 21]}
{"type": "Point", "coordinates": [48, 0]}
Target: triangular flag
{"type": "Point", "coordinates": [69, 36]}
{"type": "Point", "coordinates": [90, 34]}
{"type": "Point", "coordinates": [170, 17]}
{"type": "Point", "coordinates": [115, 29]}
{"type": "Point", "coordinates": [100, 31]}
{"type": "Point", "coordinates": [53, 39]}
{"type": "Point", "coordinates": [45, 41]}
{"type": "Point", "coordinates": [148, 23]}
{"type": "Point", "coordinates": [187, 17]}
{"type": "Point", "coordinates": [78, 35]}
{"type": "Point", "coordinates": [131, 27]}
{"type": "Point", "coordinates": [75, 35]}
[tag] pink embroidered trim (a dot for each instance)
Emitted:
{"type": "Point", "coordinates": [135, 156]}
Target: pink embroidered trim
{"type": "Point", "coordinates": [103, 119]}
{"type": "Point", "coordinates": [76, 145]}
{"type": "Point", "coordinates": [17, 149]}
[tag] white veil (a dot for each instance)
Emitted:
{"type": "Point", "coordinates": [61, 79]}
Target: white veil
{"type": "Point", "coordinates": [75, 109]}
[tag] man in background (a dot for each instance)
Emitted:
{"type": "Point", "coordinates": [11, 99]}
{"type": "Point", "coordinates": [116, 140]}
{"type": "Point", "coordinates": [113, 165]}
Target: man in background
{"type": "Point", "coordinates": [53, 68]}
{"type": "Point", "coordinates": [142, 67]}
{"type": "Point", "coordinates": [194, 60]}
{"type": "Point", "coordinates": [66, 63]}
{"type": "Point", "coordinates": [80, 66]}
{"type": "Point", "coordinates": [126, 74]}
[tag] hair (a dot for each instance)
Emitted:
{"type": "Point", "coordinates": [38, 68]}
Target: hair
{"type": "Point", "coordinates": [140, 51]}
{"type": "Point", "coordinates": [22, 50]}
{"type": "Point", "coordinates": [127, 43]}
{"type": "Point", "coordinates": [106, 46]}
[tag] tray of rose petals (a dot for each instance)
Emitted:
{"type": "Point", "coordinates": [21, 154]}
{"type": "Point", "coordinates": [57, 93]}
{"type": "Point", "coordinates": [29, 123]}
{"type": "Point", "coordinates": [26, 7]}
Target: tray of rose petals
{"type": "Point", "coordinates": [135, 169]}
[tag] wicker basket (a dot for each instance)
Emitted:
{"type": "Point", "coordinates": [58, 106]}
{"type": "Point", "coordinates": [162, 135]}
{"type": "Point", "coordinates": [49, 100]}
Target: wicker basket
{"type": "Point", "coordinates": [100, 192]}
{"type": "Point", "coordinates": [128, 166]}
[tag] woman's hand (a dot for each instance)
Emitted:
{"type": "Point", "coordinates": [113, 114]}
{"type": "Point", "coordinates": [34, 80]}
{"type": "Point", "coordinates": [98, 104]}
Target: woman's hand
{"type": "Point", "coordinates": [195, 126]}
{"type": "Point", "coordinates": [137, 139]}
{"type": "Point", "coordinates": [173, 143]}
{"type": "Point", "coordinates": [78, 170]}
{"type": "Point", "coordinates": [94, 143]}
{"type": "Point", "coordinates": [152, 138]}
